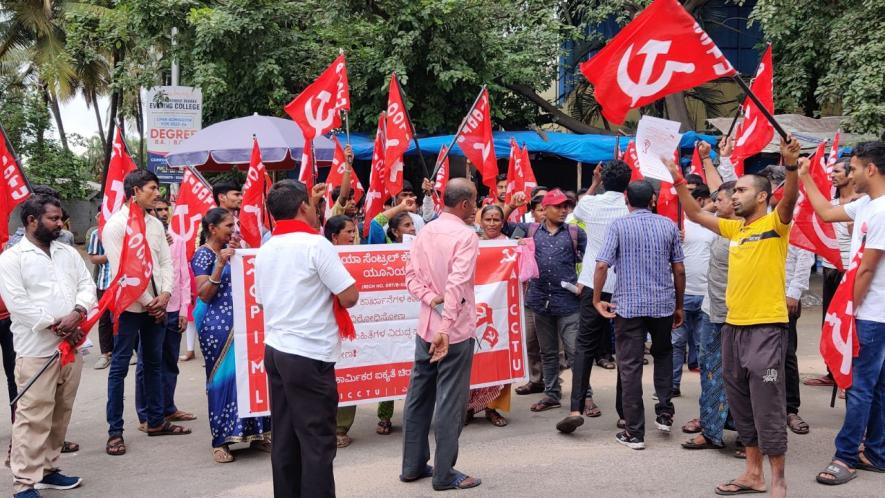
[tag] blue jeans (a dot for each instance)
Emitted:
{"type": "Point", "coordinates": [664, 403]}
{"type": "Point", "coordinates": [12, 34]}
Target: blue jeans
{"type": "Point", "coordinates": [865, 399]}
{"type": "Point", "coordinates": [168, 371]}
{"type": "Point", "coordinates": [689, 333]}
{"type": "Point", "coordinates": [151, 335]}
{"type": "Point", "coordinates": [714, 407]}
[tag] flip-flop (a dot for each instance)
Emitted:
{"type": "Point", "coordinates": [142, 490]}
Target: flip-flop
{"type": "Point", "coordinates": [706, 445]}
{"type": "Point", "coordinates": [591, 409]}
{"type": "Point", "coordinates": [461, 481]}
{"type": "Point", "coordinates": [168, 429]}
{"type": "Point", "coordinates": [841, 474]}
{"type": "Point", "coordinates": [180, 416]}
{"type": "Point", "coordinates": [818, 382]}
{"type": "Point", "coordinates": [428, 472]}
{"type": "Point", "coordinates": [861, 465]}
{"type": "Point", "coordinates": [797, 425]}
{"type": "Point", "coordinates": [545, 404]}
{"type": "Point", "coordinates": [742, 489]}
{"type": "Point", "coordinates": [569, 424]}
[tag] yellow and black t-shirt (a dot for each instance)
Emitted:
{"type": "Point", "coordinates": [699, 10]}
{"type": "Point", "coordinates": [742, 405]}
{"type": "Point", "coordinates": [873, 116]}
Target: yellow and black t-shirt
{"type": "Point", "coordinates": [757, 260]}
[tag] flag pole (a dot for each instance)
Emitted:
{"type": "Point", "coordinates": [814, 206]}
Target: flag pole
{"type": "Point", "coordinates": [734, 122]}
{"type": "Point", "coordinates": [36, 376]}
{"type": "Point", "coordinates": [411, 125]}
{"type": "Point", "coordinates": [346, 114]}
{"type": "Point", "coordinates": [737, 78]}
{"type": "Point", "coordinates": [440, 160]}
{"type": "Point", "coordinates": [18, 161]}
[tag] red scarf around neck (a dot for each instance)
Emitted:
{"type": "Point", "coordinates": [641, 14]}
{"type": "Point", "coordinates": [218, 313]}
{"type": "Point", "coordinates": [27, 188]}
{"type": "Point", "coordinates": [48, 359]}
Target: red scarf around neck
{"type": "Point", "coordinates": [345, 325]}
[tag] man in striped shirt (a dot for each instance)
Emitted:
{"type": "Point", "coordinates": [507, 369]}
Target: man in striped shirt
{"type": "Point", "coordinates": [646, 253]}
{"type": "Point", "coordinates": [97, 257]}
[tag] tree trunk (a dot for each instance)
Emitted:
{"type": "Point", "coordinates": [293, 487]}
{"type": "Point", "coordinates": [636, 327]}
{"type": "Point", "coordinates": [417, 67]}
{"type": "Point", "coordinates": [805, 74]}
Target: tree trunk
{"type": "Point", "coordinates": [56, 113]}
{"type": "Point", "coordinates": [94, 98]}
{"type": "Point", "coordinates": [556, 114]}
{"type": "Point", "coordinates": [677, 110]}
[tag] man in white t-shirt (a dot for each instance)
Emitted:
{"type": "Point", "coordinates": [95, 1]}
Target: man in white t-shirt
{"type": "Point", "coordinates": [864, 413]}
{"type": "Point", "coordinates": [298, 278]}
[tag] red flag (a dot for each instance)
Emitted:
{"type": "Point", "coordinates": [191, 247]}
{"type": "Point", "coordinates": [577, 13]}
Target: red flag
{"type": "Point", "coordinates": [114, 193]}
{"type": "Point", "coordinates": [336, 175]}
{"type": "Point", "coordinates": [193, 201]}
{"type": "Point", "coordinates": [668, 199]}
{"type": "Point", "coordinates": [317, 109]}
{"type": "Point", "coordinates": [520, 177]}
{"type": "Point", "coordinates": [809, 231]}
{"type": "Point", "coordinates": [527, 172]}
{"type": "Point", "coordinates": [399, 134]}
{"type": "Point", "coordinates": [662, 51]}
{"type": "Point", "coordinates": [475, 140]}
{"type": "Point", "coordinates": [13, 189]}
{"type": "Point", "coordinates": [377, 188]}
{"type": "Point", "coordinates": [308, 171]}
{"type": "Point", "coordinates": [252, 217]}
{"type": "Point", "coordinates": [834, 153]}
{"type": "Point", "coordinates": [442, 178]}
{"type": "Point", "coordinates": [755, 131]}
{"type": "Point", "coordinates": [697, 165]}
{"type": "Point", "coordinates": [632, 160]}
{"type": "Point", "coordinates": [838, 336]}
{"type": "Point", "coordinates": [131, 277]}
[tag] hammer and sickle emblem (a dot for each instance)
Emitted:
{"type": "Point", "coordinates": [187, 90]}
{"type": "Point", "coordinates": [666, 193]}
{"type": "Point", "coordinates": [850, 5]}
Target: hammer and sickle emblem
{"type": "Point", "coordinates": [645, 87]}
{"type": "Point", "coordinates": [181, 212]}
{"type": "Point", "coordinates": [319, 119]}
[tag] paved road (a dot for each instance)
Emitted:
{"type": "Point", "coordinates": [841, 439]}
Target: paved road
{"type": "Point", "coordinates": [527, 458]}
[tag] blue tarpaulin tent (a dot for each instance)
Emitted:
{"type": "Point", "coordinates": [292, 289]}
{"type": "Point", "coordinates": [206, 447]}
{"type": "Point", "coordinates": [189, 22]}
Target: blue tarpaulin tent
{"type": "Point", "coordinates": [588, 149]}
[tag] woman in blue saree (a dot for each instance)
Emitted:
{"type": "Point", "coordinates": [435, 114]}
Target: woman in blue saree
{"type": "Point", "coordinates": [215, 331]}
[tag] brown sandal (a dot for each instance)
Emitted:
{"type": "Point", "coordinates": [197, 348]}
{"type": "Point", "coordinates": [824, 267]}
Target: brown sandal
{"type": "Point", "coordinates": [115, 446]}
{"type": "Point", "coordinates": [384, 427]}
{"type": "Point", "coordinates": [222, 455]}
{"type": "Point", "coordinates": [181, 416]}
{"type": "Point", "coordinates": [693, 426]}
{"type": "Point", "coordinates": [797, 425]}
{"type": "Point", "coordinates": [591, 409]}
{"type": "Point", "coordinates": [342, 440]}
{"type": "Point", "coordinates": [168, 429]}
{"type": "Point", "coordinates": [495, 418]}
{"type": "Point", "coordinates": [261, 445]}
{"type": "Point", "coordinates": [70, 447]}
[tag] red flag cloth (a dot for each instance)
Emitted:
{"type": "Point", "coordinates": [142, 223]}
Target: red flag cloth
{"type": "Point", "coordinates": [520, 177]}
{"type": "Point", "coordinates": [132, 276]}
{"type": "Point", "coordinates": [697, 165]}
{"type": "Point", "coordinates": [13, 188]}
{"type": "Point", "coordinates": [834, 154]}
{"type": "Point", "coordinates": [377, 193]}
{"type": "Point", "coordinates": [114, 193]}
{"type": "Point", "coordinates": [632, 160]}
{"type": "Point", "coordinates": [475, 140]}
{"type": "Point", "coordinates": [668, 202]}
{"type": "Point", "coordinates": [252, 208]}
{"type": "Point", "coordinates": [838, 336]}
{"type": "Point", "coordinates": [308, 171]}
{"type": "Point", "coordinates": [398, 132]}
{"type": "Point", "coordinates": [662, 51]}
{"type": "Point", "coordinates": [442, 178]}
{"type": "Point", "coordinates": [755, 131]}
{"type": "Point", "coordinates": [809, 231]}
{"type": "Point", "coordinates": [317, 109]}
{"type": "Point", "coordinates": [346, 329]}
{"type": "Point", "coordinates": [193, 201]}
{"type": "Point", "coordinates": [336, 175]}
{"type": "Point", "coordinates": [527, 172]}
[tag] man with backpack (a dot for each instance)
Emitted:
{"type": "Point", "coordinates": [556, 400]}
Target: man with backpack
{"type": "Point", "coordinates": [555, 308]}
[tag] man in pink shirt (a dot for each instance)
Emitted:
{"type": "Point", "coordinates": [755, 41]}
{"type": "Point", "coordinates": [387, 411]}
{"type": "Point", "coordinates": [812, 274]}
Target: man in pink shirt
{"type": "Point", "coordinates": [440, 273]}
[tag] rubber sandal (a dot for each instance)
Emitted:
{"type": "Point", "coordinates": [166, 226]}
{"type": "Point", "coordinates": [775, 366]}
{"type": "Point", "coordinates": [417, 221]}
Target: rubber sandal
{"type": "Point", "coordinates": [797, 425]}
{"type": "Point", "coordinates": [529, 388]}
{"type": "Point", "coordinates": [261, 445]}
{"type": "Point", "coordinates": [841, 473]}
{"type": "Point", "coordinates": [591, 409]}
{"type": "Point", "coordinates": [181, 416]}
{"type": "Point", "coordinates": [222, 455]}
{"type": "Point", "coordinates": [461, 482]}
{"type": "Point", "coordinates": [495, 418]}
{"type": "Point", "coordinates": [693, 426]}
{"type": "Point", "coordinates": [862, 465]}
{"type": "Point", "coordinates": [742, 489]}
{"type": "Point", "coordinates": [691, 444]}
{"type": "Point", "coordinates": [823, 381]}
{"type": "Point", "coordinates": [606, 364]}
{"type": "Point", "coordinates": [545, 404]}
{"type": "Point", "coordinates": [115, 446]}
{"type": "Point", "coordinates": [70, 447]}
{"type": "Point", "coordinates": [168, 429]}
{"type": "Point", "coordinates": [428, 472]}
{"type": "Point", "coordinates": [569, 424]}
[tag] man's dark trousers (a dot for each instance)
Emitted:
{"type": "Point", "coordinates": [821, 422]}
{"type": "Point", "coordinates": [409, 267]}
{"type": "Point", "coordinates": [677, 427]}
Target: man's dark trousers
{"type": "Point", "coordinates": [445, 384]}
{"type": "Point", "coordinates": [168, 370]}
{"type": "Point", "coordinates": [630, 344]}
{"type": "Point", "coordinates": [303, 406]}
{"type": "Point", "coordinates": [590, 345]}
{"type": "Point", "coordinates": [791, 365]}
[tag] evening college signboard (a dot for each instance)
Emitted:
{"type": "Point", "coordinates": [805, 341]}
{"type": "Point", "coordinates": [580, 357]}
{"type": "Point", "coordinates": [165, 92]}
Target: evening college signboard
{"type": "Point", "coordinates": [172, 114]}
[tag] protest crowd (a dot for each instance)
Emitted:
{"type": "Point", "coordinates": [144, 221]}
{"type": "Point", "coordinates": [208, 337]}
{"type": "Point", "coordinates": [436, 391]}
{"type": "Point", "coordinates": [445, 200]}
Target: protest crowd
{"type": "Point", "coordinates": [697, 269]}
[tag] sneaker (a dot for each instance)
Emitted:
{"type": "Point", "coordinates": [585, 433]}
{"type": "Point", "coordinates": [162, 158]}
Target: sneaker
{"type": "Point", "coordinates": [675, 393]}
{"type": "Point", "coordinates": [629, 441]}
{"type": "Point", "coordinates": [28, 493]}
{"type": "Point", "coordinates": [57, 480]}
{"type": "Point", "coordinates": [104, 361]}
{"type": "Point", "coordinates": [664, 422]}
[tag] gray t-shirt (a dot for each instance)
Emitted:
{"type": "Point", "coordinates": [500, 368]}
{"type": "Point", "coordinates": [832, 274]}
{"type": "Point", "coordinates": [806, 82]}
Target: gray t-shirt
{"type": "Point", "coordinates": [717, 279]}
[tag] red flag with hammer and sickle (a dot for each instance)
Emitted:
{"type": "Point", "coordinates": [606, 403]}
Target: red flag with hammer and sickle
{"type": "Point", "coordinates": [377, 193]}
{"type": "Point", "coordinates": [475, 140]}
{"type": "Point", "coordinates": [193, 201]}
{"type": "Point", "coordinates": [631, 157]}
{"type": "Point", "coordinates": [317, 109]}
{"type": "Point", "coordinates": [838, 336]}
{"type": "Point", "coordinates": [114, 193]}
{"type": "Point", "coordinates": [755, 131]}
{"type": "Point", "coordinates": [252, 217]}
{"type": "Point", "coordinates": [442, 178]}
{"type": "Point", "coordinates": [662, 51]}
{"type": "Point", "coordinates": [13, 188]}
{"type": "Point", "coordinates": [336, 176]}
{"type": "Point", "coordinates": [399, 135]}
{"type": "Point", "coordinates": [809, 231]}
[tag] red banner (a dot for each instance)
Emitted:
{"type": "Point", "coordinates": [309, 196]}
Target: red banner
{"type": "Point", "coordinates": [114, 193]}
{"type": "Point", "coordinates": [662, 51]}
{"type": "Point", "coordinates": [475, 140]}
{"type": "Point", "coordinates": [13, 189]}
{"type": "Point", "coordinates": [317, 110]}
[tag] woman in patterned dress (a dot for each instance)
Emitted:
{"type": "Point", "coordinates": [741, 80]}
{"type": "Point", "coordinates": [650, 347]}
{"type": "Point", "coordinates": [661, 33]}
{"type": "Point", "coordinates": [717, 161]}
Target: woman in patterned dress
{"type": "Point", "coordinates": [212, 272]}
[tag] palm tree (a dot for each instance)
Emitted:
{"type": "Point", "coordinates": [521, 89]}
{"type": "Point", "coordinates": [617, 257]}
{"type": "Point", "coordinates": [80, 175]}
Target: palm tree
{"type": "Point", "coordinates": [33, 28]}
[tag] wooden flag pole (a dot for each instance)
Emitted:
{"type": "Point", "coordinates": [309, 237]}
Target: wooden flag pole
{"type": "Point", "coordinates": [440, 160]}
{"type": "Point", "coordinates": [411, 125]}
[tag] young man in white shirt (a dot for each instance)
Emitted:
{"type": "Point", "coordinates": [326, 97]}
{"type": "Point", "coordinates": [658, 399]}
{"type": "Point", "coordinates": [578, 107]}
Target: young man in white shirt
{"type": "Point", "coordinates": [298, 279]}
{"type": "Point", "coordinates": [47, 288]}
{"type": "Point", "coordinates": [145, 318]}
{"type": "Point", "coordinates": [864, 405]}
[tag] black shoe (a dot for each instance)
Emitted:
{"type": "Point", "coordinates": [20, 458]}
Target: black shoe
{"type": "Point", "coordinates": [629, 441]}
{"type": "Point", "coordinates": [675, 393]}
{"type": "Point", "coordinates": [664, 422]}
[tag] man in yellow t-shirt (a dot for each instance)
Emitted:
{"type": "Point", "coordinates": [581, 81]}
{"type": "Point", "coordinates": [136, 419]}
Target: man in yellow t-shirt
{"type": "Point", "coordinates": [754, 337]}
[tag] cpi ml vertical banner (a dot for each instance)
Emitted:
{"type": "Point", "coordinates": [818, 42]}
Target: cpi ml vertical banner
{"type": "Point", "coordinates": [171, 114]}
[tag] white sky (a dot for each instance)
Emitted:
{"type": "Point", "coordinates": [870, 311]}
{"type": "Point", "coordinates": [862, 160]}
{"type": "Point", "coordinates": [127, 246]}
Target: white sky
{"type": "Point", "coordinates": [79, 119]}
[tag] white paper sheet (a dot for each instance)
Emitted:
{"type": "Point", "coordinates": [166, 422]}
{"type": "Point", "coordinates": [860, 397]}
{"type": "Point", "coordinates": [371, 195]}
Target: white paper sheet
{"type": "Point", "coordinates": [656, 137]}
